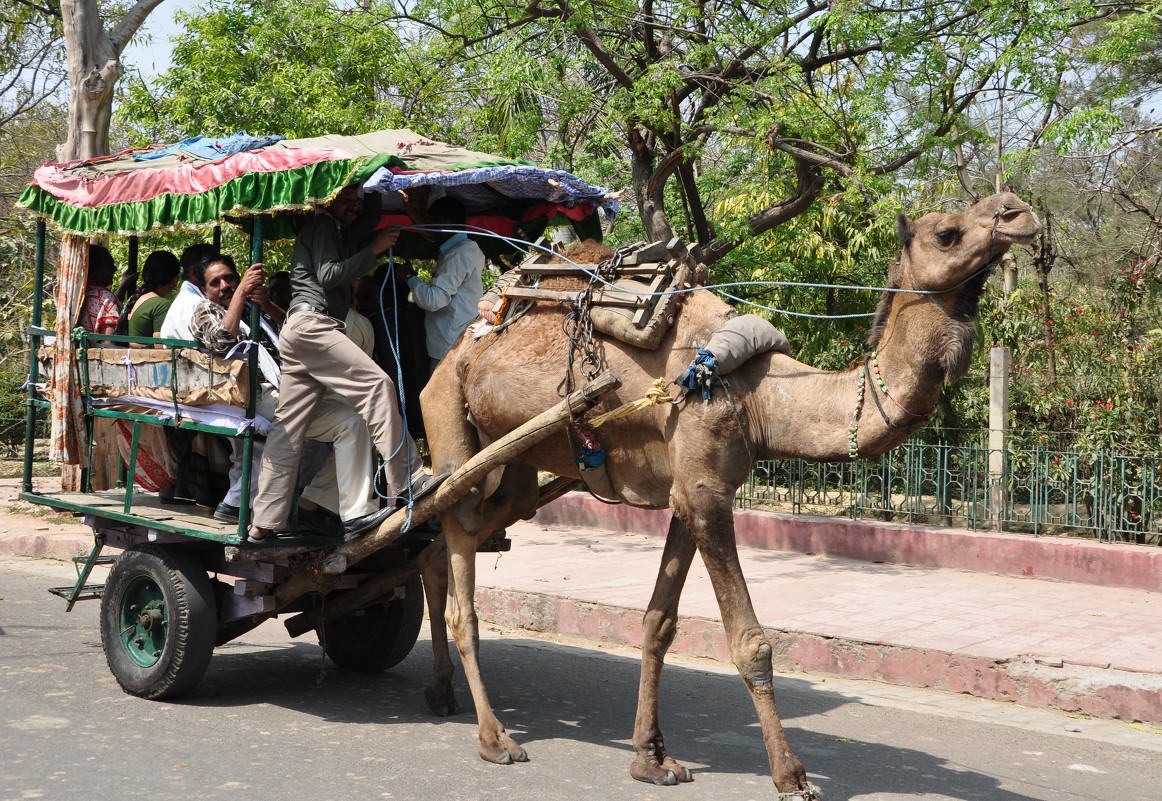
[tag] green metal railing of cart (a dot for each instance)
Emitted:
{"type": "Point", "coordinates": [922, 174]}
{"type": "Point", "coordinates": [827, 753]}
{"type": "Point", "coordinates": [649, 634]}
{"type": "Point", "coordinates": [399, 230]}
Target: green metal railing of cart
{"type": "Point", "coordinates": [35, 402]}
{"type": "Point", "coordinates": [137, 419]}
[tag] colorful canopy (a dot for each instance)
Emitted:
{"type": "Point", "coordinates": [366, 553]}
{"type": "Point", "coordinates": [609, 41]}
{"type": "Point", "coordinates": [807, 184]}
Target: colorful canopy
{"type": "Point", "coordinates": [202, 182]}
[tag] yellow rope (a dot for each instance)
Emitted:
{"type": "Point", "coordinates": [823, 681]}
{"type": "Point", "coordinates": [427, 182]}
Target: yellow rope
{"type": "Point", "coordinates": [656, 394]}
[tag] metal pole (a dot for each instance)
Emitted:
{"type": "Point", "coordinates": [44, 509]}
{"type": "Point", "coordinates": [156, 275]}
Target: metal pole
{"type": "Point", "coordinates": [34, 341]}
{"type": "Point", "coordinates": [255, 377]}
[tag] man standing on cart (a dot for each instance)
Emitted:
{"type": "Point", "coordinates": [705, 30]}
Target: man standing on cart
{"type": "Point", "coordinates": [316, 356]}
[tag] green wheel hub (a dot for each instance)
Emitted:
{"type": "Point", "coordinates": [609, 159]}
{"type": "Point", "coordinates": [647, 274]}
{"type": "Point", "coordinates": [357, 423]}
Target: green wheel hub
{"type": "Point", "coordinates": [144, 621]}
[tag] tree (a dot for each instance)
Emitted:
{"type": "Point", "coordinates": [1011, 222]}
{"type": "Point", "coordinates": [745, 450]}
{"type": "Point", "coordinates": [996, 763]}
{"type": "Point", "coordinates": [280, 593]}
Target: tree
{"type": "Point", "coordinates": [94, 67]}
{"type": "Point", "coordinates": [273, 66]}
{"type": "Point", "coordinates": [31, 67]}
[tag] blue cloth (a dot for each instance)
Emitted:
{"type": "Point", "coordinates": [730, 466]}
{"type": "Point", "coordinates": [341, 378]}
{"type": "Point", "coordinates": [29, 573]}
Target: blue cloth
{"type": "Point", "coordinates": [698, 374]}
{"type": "Point", "coordinates": [211, 148]}
{"type": "Point", "coordinates": [516, 181]}
{"type": "Point", "coordinates": [591, 458]}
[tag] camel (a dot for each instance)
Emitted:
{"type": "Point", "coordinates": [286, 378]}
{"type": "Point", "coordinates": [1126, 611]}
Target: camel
{"type": "Point", "coordinates": [694, 455]}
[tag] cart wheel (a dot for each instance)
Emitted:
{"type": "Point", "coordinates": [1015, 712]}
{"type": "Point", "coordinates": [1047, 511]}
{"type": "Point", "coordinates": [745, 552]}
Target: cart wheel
{"type": "Point", "coordinates": [158, 621]}
{"type": "Point", "coordinates": [376, 637]}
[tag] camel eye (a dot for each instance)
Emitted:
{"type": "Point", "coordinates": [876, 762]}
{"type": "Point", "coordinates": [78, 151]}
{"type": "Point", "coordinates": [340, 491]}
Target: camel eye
{"type": "Point", "coordinates": [947, 237]}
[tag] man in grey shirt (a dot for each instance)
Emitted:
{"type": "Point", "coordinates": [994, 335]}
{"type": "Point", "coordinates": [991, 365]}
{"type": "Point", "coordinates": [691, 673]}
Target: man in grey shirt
{"type": "Point", "coordinates": [316, 356]}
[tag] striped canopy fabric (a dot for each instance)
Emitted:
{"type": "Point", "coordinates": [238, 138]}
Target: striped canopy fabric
{"type": "Point", "coordinates": [203, 182]}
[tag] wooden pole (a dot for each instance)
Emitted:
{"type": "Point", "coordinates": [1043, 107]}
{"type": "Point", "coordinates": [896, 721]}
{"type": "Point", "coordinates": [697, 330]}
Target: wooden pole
{"type": "Point", "coordinates": [379, 587]}
{"type": "Point", "coordinates": [999, 360]}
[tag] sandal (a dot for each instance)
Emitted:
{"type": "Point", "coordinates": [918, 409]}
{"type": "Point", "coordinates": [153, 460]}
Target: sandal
{"type": "Point", "coordinates": [257, 538]}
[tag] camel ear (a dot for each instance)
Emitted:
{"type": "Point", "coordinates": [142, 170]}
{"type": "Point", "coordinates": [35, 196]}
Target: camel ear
{"type": "Point", "coordinates": [904, 229]}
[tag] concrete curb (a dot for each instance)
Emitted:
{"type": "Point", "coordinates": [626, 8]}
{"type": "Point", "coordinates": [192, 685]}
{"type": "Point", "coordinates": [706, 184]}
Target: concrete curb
{"type": "Point", "coordinates": [1068, 688]}
{"type": "Point", "coordinates": [62, 546]}
{"type": "Point", "coordinates": [1079, 561]}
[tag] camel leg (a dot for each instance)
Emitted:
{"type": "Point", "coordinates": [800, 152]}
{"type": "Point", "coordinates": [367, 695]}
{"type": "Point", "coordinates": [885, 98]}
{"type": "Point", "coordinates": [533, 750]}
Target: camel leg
{"type": "Point", "coordinates": [653, 763]}
{"type": "Point", "coordinates": [434, 570]}
{"type": "Point", "coordinates": [495, 744]}
{"type": "Point", "coordinates": [711, 522]}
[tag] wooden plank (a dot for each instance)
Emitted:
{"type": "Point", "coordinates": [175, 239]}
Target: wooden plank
{"type": "Point", "coordinates": [553, 270]}
{"type": "Point", "coordinates": [659, 284]}
{"type": "Point", "coordinates": [605, 297]}
{"type": "Point", "coordinates": [655, 251]}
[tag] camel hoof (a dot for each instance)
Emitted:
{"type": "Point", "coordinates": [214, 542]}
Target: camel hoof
{"type": "Point", "coordinates": [505, 752]}
{"type": "Point", "coordinates": [810, 794]}
{"type": "Point", "coordinates": [441, 701]}
{"type": "Point", "coordinates": [683, 773]}
{"type": "Point", "coordinates": [651, 772]}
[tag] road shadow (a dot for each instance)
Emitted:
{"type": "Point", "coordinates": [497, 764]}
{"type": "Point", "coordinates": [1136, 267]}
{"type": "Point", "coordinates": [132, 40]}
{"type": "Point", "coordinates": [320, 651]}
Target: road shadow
{"type": "Point", "coordinates": [544, 692]}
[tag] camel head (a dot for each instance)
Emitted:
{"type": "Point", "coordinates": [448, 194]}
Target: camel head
{"type": "Point", "coordinates": [953, 255]}
{"type": "Point", "coordinates": [939, 251]}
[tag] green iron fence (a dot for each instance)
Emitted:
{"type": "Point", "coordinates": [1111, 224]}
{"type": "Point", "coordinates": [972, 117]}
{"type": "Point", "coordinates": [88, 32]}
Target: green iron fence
{"type": "Point", "coordinates": [1099, 495]}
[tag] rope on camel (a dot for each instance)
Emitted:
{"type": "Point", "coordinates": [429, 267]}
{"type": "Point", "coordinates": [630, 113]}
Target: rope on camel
{"type": "Point", "coordinates": [655, 396]}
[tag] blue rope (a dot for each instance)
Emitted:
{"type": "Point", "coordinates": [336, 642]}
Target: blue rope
{"type": "Point", "coordinates": [393, 343]}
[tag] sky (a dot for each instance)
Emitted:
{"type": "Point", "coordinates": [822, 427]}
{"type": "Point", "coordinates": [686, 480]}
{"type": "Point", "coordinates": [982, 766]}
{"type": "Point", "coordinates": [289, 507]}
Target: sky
{"type": "Point", "coordinates": [153, 58]}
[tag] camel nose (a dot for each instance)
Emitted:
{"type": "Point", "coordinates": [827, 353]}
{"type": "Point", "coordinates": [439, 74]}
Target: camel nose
{"type": "Point", "coordinates": [1010, 208]}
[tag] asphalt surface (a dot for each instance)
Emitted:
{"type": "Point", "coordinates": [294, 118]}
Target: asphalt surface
{"type": "Point", "coordinates": [950, 610]}
{"type": "Point", "coordinates": [273, 720]}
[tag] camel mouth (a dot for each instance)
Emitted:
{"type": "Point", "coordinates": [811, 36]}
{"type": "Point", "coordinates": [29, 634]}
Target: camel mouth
{"type": "Point", "coordinates": [1016, 225]}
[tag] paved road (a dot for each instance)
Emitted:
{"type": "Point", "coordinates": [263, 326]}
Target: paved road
{"type": "Point", "coordinates": [271, 721]}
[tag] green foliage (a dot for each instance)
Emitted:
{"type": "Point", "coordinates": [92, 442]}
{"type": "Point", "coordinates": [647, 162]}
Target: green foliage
{"type": "Point", "coordinates": [13, 406]}
{"type": "Point", "coordinates": [835, 242]}
{"type": "Point", "coordinates": [270, 66]}
{"type": "Point", "coordinates": [31, 57]}
{"type": "Point", "coordinates": [1105, 344]}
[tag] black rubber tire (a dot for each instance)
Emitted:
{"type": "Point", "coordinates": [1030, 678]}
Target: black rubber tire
{"type": "Point", "coordinates": [376, 637]}
{"type": "Point", "coordinates": [168, 654]}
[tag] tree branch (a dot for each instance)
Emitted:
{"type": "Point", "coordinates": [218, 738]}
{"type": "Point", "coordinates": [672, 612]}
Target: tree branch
{"type": "Point", "coordinates": [809, 184]}
{"type": "Point", "coordinates": [131, 22]}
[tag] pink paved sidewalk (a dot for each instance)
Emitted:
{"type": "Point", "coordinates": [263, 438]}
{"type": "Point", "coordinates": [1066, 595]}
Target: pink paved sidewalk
{"type": "Point", "coordinates": [1043, 643]}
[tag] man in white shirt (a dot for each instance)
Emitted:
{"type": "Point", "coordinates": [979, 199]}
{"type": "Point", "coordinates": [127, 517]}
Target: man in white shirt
{"type": "Point", "coordinates": [451, 298]}
{"type": "Point", "coordinates": [180, 317]}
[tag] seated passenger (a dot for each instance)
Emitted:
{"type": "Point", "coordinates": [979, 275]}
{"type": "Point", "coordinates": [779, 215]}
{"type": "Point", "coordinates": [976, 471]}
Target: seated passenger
{"type": "Point", "coordinates": [318, 503]}
{"type": "Point", "coordinates": [100, 309]}
{"type": "Point", "coordinates": [145, 311]}
{"type": "Point", "coordinates": [181, 311]}
{"type": "Point", "coordinates": [218, 325]}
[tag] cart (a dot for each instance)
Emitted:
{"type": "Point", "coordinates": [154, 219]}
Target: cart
{"type": "Point", "coordinates": [181, 582]}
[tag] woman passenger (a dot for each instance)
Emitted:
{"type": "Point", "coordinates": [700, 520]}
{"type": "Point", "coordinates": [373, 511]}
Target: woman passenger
{"type": "Point", "coordinates": [144, 311]}
{"type": "Point", "coordinates": [100, 310]}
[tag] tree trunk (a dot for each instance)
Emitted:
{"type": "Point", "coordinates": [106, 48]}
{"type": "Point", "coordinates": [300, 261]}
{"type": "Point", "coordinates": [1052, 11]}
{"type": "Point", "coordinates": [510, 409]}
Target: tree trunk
{"type": "Point", "coordinates": [94, 67]}
{"type": "Point", "coordinates": [650, 192]}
